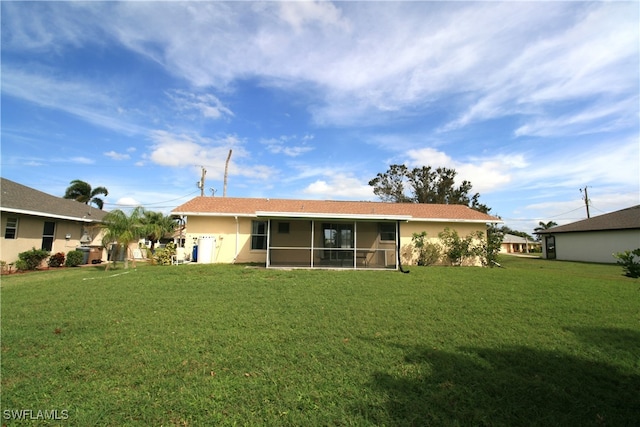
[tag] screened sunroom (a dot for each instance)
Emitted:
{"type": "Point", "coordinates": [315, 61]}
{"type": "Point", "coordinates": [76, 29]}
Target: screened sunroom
{"type": "Point", "coordinates": [328, 243]}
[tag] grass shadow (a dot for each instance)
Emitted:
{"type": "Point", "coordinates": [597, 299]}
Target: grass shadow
{"type": "Point", "coordinates": [506, 387]}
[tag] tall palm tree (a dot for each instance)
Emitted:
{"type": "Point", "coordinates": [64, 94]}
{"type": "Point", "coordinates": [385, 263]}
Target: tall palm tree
{"type": "Point", "coordinates": [82, 192]}
{"type": "Point", "coordinates": [545, 225]}
{"type": "Point", "coordinates": [121, 230]}
{"type": "Point", "coordinates": [155, 225]}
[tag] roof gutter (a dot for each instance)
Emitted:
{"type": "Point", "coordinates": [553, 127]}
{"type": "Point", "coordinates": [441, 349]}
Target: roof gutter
{"type": "Point", "coordinates": [49, 215]}
{"type": "Point", "coordinates": [332, 215]}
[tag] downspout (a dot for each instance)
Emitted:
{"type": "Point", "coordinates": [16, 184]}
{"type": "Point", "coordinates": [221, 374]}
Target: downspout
{"type": "Point", "coordinates": [237, 239]}
{"type": "Point", "coordinates": [398, 248]}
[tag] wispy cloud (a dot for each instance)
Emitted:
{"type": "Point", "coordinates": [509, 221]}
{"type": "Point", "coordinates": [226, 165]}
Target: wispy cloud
{"type": "Point", "coordinates": [289, 145]}
{"type": "Point", "coordinates": [373, 58]}
{"type": "Point", "coordinates": [83, 99]}
{"type": "Point", "coordinates": [117, 156]}
{"type": "Point", "coordinates": [205, 105]}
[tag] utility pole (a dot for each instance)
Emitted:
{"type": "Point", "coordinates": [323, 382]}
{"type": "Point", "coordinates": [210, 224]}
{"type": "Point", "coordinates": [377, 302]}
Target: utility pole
{"type": "Point", "coordinates": [226, 171]}
{"type": "Point", "coordinates": [586, 201]}
{"type": "Point", "coordinates": [200, 183]}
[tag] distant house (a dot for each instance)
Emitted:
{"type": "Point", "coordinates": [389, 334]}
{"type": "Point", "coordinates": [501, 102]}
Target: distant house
{"type": "Point", "coordinates": [32, 219]}
{"type": "Point", "coordinates": [316, 233]}
{"type": "Point", "coordinates": [594, 239]}
{"type": "Point", "coordinates": [518, 244]}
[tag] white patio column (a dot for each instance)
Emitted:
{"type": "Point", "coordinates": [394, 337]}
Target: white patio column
{"type": "Point", "coordinates": [313, 226]}
{"type": "Point", "coordinates": [268, 261]}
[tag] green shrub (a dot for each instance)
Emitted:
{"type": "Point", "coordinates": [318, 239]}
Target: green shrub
{"type": "Point", "coordinates": [162, 256]}
{"type": "Point", "coordinates": [458, 250]}
{"type": "Point", "coordinates": [428, 252]}
{"type": "Point", "coordinates": [56, 260]}
{"type": "Point", "coordinates": [21, 265]}
{"type": "Point", "coordinates": [31, 259]}
{"type": "Point", "coordinates": [74, 258]}
{"type": "Point", "coordinates": [627, 260]}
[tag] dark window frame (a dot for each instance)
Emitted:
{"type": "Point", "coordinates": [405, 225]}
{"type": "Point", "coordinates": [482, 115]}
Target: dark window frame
{"type": "Point", "coordinates": [48, 235]}
{"type": "Point", "coordinates": [259, 235]}
{"type": "Point", "coordinates": [388, 234]}
{"type": "Point", "coordinates": [11, 228]}
{"type": "Point", "coordinates": [284, 228]}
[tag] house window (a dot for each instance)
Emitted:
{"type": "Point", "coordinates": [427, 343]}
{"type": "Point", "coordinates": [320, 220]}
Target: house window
{"type": "Point", "coordinates": [388, 232]}
{"type": "Point", "coordinates": [11, 230]}
{"type": "Point", "coordinates": [283, 227]}
{"type": "Point", "coordinates": [338, 235]}
{"type": "Point", "coordinates": [259, 235]}
{"type": "Point", "coordinates": [47, 235]}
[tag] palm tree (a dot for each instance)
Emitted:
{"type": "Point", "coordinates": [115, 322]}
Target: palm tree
{"type": "Point", "coordinates": [82, 192]}
{"type": "Point", "coordinates": [545, 226]}
{"type": "Point", "coordinates": [155, 225]}
{"type": "Point", "coordinates": [120, 230]}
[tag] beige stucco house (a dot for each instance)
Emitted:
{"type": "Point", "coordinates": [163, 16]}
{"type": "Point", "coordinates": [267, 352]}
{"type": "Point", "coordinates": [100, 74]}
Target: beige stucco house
{"type": "Point", "coordinates": [512, 244]}
{"type": "Point", "coordinates": [32, 219]}
{"type": "Point", "coordinates": [594, 239]}
{"type": "Point", "coordinates": [316, 233]}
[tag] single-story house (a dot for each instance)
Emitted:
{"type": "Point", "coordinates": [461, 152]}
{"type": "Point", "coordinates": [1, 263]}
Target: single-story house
{"type": "Point", "coordinates": [33, 219]}
{"type": "Point", "coordinates": [316, 233]}
{"type": "Point", "coordinates": [517, 244]}
{"type": "Point", "coordinates": [594, 239]}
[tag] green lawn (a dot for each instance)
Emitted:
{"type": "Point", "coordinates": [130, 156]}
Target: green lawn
{"type": "Point", "coordinates": [536, 343]}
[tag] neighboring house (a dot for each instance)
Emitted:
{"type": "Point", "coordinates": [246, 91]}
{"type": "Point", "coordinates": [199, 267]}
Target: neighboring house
{"type": "Point", "coordinates": [518, 244]}
{"type": "Point", "coordinates": [315, 233]}
{"type": "Point", "coordinates": [595, 239]}
{"type": "Point", "coordinates": [33, 219]}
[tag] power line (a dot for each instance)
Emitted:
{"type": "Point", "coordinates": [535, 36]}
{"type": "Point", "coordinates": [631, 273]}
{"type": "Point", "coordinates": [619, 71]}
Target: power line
{"type": "Point", "coordinates": [153, 204]}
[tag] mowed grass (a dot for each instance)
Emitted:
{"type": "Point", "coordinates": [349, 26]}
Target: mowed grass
{"type": "Point", "coordinates": [536, 343]}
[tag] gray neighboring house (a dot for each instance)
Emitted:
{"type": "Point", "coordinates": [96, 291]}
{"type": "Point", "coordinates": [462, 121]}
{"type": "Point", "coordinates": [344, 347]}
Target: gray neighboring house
{"type": "Point", "coordinates": [32, 219]}
{"type": "Point", "coordinates": [594, 239]}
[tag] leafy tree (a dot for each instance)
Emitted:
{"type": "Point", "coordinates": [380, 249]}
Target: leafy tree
{"type": "Point", "coordinates": [155, 225]}
{"type": "Point", "coordinates": [82, 192]}
{"type": "Point", "coordinates": [492, 245]}
{"type": "Point", "coordinates": [424, 185]}
{"type": "Point", "coordinates": [506, 230]}
{"type": "Point", "coordinates": [121, 230]}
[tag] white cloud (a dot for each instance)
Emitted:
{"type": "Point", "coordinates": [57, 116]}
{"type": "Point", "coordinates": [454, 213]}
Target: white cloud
{"type": "Point", "coordinates": [127, 202]}
{"type": "Point", "coordinates": [82, 160]}
{"type": "Point", "coordinates": [486, 174]}
{"type": "Point", "coordinates": [299, 14]}
{"type": "Point", "coordinates": [339, 186]}
{"type": "Point", "coordinates": [184, 150]}
{"type": "Point", "coordinates": [117, 156]}
{"type": "Point", "coordinates": [363, 61]}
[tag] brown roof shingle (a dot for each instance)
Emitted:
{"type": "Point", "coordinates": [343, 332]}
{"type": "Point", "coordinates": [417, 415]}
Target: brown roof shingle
{"type": "Point", "coordinates": [329, 208]}
{"type": "Point", "coordinates": [16, 197]}
{"type": "Point", "coordinates": [624, 219]}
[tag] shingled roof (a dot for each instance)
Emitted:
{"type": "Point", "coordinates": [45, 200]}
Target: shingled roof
{"type": "Point", "coordinates": [18, 198]}
{"type": "Point", "coordinates": [625, 219]}
{"type": "Point", "coordinates": [290, 208]}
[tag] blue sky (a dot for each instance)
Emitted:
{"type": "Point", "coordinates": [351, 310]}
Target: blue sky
{"type": "Point", "coordinates": [530, 102]}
